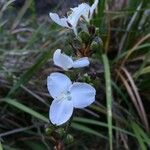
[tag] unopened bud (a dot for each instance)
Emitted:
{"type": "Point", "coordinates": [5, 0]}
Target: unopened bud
{"type": "Point", "coordinates": [60, 131]}
{"type": "Point", "coordinates": [86, 78]}
{"type": "Point", "coordinates": [96, 44]}
{"type": "Point", "coordinates": [85, 37]}
{"type": "Point", "coordinates": [97, 31]}
{"type": "Point", "coordinates": [69, 139]}
{"type": "Point", "coordinates": [49, 130]}
{"type": "Point", "coordinates": [91, 30]}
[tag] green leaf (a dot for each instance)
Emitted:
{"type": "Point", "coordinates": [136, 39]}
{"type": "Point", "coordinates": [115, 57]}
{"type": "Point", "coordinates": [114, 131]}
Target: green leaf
{"type": "Point", "coordinates": [138, 48]}
{"type": "Point", "coordinates": [30, 72]}
{"type": "Point", "coordinates": [6, 147]}
{"type": "Point", "coordinates": [87, 130]}
{"type": "Point", "coordinates": [102, 124]}
{"type": "Point", "coordinates": [26, 109]}
{"type": "Point", "coordinates": [32, 145]}
{"type": "Point", "coordinates": [1, 148]}
{"type": "Point", "coordinates": [136, 130]}
{"type": "Point", "coordinates": [98, 19]}
{"type": "Point", "coordinates": [108, 98]}
{"type": "Point", "coordinates": [146, 138]}
{"type": "Point", "coordinates": [145, 70]}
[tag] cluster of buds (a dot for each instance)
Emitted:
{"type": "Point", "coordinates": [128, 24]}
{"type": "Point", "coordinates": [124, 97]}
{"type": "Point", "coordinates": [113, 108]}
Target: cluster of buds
{"type": "Point", "coordinates": [87, 42]}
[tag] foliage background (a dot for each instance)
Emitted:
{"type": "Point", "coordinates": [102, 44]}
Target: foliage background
{"type": "Point", "coordinates": [27, 42]}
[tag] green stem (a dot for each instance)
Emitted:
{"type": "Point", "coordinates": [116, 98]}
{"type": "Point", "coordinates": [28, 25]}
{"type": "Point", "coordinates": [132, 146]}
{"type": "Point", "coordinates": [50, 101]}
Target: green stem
{"type": "Point", "coordinates": [67, 129]}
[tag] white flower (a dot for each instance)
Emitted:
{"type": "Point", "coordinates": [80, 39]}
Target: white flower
{"type": "Point", "coordinates": [66, 62]}
{"type": "Point", "coordinates": [67, 96]}
{"type": "Point", "coordinates": [72, 20]}
{"type": "Point", "coordinates": [85, 10]}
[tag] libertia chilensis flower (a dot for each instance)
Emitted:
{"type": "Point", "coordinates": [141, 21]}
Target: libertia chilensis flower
{"type": "Point", "coordinates": [71, 21]}
{"type": "Point", "coordinates": [67, 96]}
{"type": "Point", "coordinates": [66, 62]}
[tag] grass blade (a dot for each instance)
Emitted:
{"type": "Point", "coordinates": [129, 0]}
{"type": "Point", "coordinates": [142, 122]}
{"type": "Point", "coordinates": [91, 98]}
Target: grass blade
{"type": "Point", "coordinates": [108, 97]}
{"type": "Point", "coordinates": [138, 48]}
{"type": "Point", "coordinates": [138, 136]}
{"type": "Point", "coordinates": [143, 70]}
{"type": "Point", "coordinates": [130, 51]}
{"type": "Point", "coordinates": [123, 40]}
{"type": "Point", "coordinates": [6, 147]}
{"type": "Point", "coordinates": [130, 92]}
{"type": "Point", "coordinates": [143, 134]}
{"type": "Point", "coordinates": [138, 99]}
{"type": "Point", "coordinates": [1, 148]}
{"type": "Point", "coordinates": [15, 131]}
{"type": "Point", "coordinates": [30, 72]}
{"type": "Point", "coordinates": [5, 7]}
{"type": "Point", "coordinates": [99, 17]}
{"type": "Point", "coordinates": [87, 130]}
{"type": "Point", "coordinates": [102, 124]}
{"type": "Point", "coordinates": [25, 109]}
{"type": "Point", "coordinates": [21, 13]}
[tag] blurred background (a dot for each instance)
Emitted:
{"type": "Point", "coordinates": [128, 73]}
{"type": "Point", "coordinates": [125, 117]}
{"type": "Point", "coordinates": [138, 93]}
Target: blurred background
{"type": "Point", "coordinates": [28, 39]}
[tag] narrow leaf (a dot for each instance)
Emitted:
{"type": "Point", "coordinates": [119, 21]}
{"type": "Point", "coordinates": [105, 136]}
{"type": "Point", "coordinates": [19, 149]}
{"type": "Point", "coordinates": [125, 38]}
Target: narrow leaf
{"type": "Point", "coordinates": [138, 136]}
{"type": "Point", "coordinates": [26, 109]}
{"type": "Point", "coordinates": [87, 130]}
{"type": "Point", "coordinates": [1, 148]}
{"type": "Point", "coordinates": [108, 97]}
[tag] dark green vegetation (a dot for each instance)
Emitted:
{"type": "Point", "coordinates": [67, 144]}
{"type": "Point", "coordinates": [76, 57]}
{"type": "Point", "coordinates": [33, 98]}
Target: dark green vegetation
{"type": "Point", "coordinates": [121, 77]}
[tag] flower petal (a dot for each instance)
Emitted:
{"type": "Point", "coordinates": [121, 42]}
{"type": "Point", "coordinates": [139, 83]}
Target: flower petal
{"type": "Point", "coordinates": [62, 60]}
{"type": "Point", "coordinates": [57, 83]}
{"type": "Point", "coordinates": [75, 30]}
{"type": "Point", "coordinates": [82, 62]}
{"type": "Point", "coordinates": [58, 20]}
{"type": "Point", "coordinates": [82, 94]}
{"type": "Point", "coordinates": [82, 10]}
{"type": "Point", "coordinates": [60, 111]}
{"type": "Point", "coordinates": [73, 19]}
{"type": "Point", "coordinates": [93, 7]}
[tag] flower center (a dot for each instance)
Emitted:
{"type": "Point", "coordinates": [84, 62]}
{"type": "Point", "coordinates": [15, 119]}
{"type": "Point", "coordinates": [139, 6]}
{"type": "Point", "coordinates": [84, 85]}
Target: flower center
{"type": "Point", "coordinates": [64, 96]}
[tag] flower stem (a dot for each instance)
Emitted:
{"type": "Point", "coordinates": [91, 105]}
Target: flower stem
{"type": "Point", "coordinates": [67, 129]}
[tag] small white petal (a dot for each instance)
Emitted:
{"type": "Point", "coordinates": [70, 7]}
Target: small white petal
{"type": "Point", "coordinates": [60, 111]}
{"type": "Point", "coordinates": [85, 12]}
{"type": "Point", "coordinates": [93, 7]}
{"type": "Point", "coordinates": [73, 19]}
{"type": "Point", "coordinates": [75, 31]}
{"type": "Point", "coordinates": [62, 60]}
{"type": "Point", "coordinates": [82, 62]}
{"type": "Point", "coordinates": [58, 20]}
{"type": "Point", "coordinates": [82, 94]}
{"type": "Point", "coordinates": [57, 83]}
{"type": "Point", "coordinates": [82, 10]}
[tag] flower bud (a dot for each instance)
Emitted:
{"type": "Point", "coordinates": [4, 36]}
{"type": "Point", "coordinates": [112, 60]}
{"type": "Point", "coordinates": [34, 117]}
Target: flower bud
{"type": "Point", "coordinates": [86, 78]}
{"type": "Point", "coordinates": [49, 130]}
{"type": "Point", "coordinates": [85, 37]}
{"type": "Point", "coordinates": [69, 139]}
{"type": "Point", "coordinates": [91, 30]}
{"type": "Point", "coordinates": [96, 44]}
{"type": "Point", "coordinates": [97, 31]}
{"type": "Point", "coordinates": [60, 131]}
